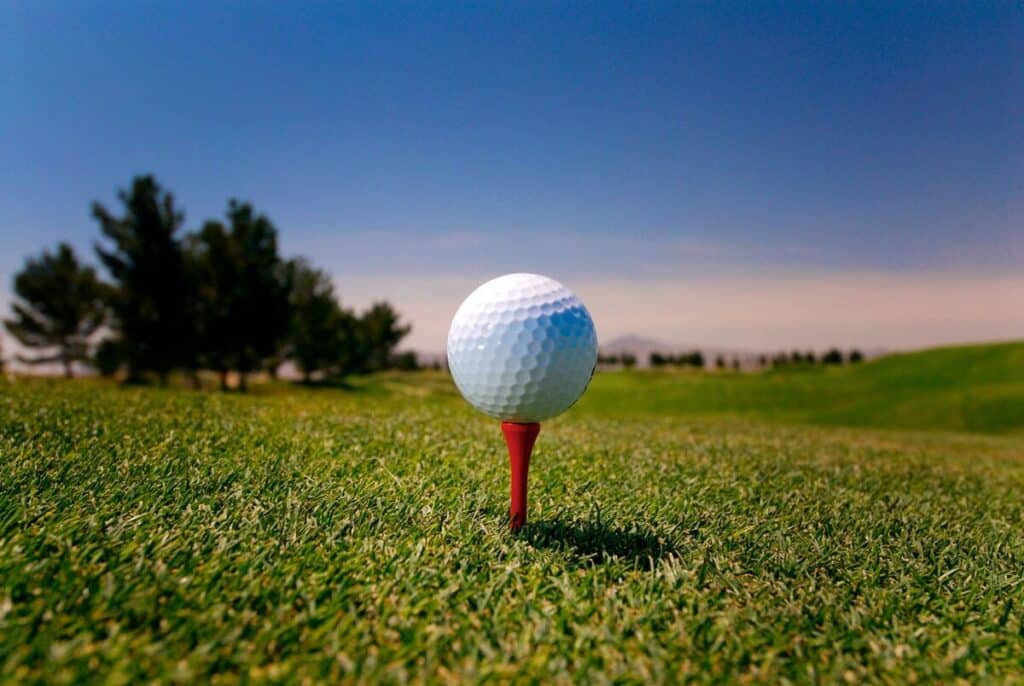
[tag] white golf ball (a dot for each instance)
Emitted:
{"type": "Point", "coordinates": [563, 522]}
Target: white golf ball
{"type": "Point", "coordinates": [522, 348]}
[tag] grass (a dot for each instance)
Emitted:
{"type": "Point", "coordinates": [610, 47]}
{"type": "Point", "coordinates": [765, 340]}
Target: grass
{"type": "Point", "coordinates": [323, 535]}
{"type": "Point", "coordinates": [971, 388]}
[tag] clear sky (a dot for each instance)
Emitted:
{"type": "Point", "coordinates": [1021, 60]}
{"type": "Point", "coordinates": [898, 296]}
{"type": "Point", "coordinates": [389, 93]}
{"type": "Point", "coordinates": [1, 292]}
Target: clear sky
{"type": "Point", "coordinates": [752, 175]}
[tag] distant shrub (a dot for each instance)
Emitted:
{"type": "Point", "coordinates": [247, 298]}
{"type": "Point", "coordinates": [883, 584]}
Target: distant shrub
{"type": "Point", "coordinates": [405, 361]}
{"type": "Point", "coordinates": [832, 357]}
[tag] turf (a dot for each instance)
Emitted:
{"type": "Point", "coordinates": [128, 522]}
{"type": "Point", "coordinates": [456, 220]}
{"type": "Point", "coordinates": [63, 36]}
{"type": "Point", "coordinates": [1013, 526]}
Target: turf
{"type": "Point", "coordinates": [970, 388]}
{"type": "Point", "coordinates": [300, 535]}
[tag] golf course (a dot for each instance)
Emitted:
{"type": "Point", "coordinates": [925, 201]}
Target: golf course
{"type": "Point", "coordinates": [849, 524]}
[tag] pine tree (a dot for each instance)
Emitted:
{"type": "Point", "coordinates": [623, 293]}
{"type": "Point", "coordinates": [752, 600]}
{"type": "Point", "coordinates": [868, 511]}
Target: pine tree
{"type": "Point", "coordinates": [59, 308]}
{"type": "Point", "coordinates": [150, 301]}
{"type": "Point", "coordinates": [322, 333]}
{"type": "Point", "coordinates": [379, 332]}
{"type": "Point", "coordinates": [242, 309]}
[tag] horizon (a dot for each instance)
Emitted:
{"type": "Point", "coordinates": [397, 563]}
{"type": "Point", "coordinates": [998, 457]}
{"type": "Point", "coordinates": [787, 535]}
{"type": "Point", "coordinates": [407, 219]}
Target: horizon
{"type": "Point", "coordinates": [757, 179]}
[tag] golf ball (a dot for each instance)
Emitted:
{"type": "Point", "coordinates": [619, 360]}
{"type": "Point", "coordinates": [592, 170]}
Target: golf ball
{"type": "Point", "coordinates": [522, 348]}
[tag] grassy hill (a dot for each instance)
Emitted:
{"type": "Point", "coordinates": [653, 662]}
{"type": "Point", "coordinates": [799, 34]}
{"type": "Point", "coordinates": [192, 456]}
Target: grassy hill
{"type": "Point", "coordinates": [360, 535]}
{"type": "Point", "coordinates": [970, 388]}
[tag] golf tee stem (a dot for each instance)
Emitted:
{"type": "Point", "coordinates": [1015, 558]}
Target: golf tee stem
{"type": "Point", "coordinates": [519, 438]}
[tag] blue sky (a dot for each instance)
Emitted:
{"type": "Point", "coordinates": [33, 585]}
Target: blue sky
{"type": "Point", "coordinates": [690, 159]}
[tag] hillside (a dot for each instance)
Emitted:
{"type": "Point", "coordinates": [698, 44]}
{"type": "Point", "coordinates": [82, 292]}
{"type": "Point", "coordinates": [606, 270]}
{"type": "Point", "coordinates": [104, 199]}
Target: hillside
{"type": "Point", "coordinates": [977, 388]}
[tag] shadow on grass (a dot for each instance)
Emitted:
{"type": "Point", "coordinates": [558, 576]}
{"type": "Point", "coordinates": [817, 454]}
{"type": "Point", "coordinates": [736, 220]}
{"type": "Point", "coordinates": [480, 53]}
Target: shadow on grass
{"type": "Point", "coordinates": [594, 542]}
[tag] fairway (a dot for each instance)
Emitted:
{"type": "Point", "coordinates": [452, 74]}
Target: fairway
{"type": "Point", "coordinates": [323, 534]}
{"type": "Point", "coordinates": [977, 388]}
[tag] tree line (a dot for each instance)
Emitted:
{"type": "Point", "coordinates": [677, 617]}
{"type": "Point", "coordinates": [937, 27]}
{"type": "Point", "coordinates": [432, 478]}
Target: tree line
{"type": "Point", "coordinates": [627, 360]}
{"type": "Point", "coordinates": [831, 357]}
{"type": "Point", "coordinates": [695, 359]}
{"type": "Point", "coordinates": [781, 359]}
{"type": "Point", "coordinates": [220, 298]}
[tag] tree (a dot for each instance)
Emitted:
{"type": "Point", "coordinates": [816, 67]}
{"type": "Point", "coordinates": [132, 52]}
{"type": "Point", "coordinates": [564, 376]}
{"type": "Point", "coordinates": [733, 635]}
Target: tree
{"type": "Point", "coordinates": [406, 361]}
{"type": "Point", "coordinates": [628, 360]}
{"type": "Point", "coordinates": [379, 332]}
{"type": "Point", "coordinates": [856, 356]}
{"type": "Point", "coordinates": [60, 307]}
{"type": "Point", "coordinates": [212, 273]}
{"type": "Point", "coordinates": [150, 301]}
{"type": "Point", "coordinates": [108, 357]}
{"type": "Point", "coordinates": [694, 359]}
{"type": "Point", "coordinates": [832, 357]}
{"type": "Point", "coordinates": [322, 333]}
{"type": "Point", "coordinates": [657, 359]}
{"type": "Point", "coordinates": [720, 362]}
{"type": "Point", "coordinates": [242, 303]}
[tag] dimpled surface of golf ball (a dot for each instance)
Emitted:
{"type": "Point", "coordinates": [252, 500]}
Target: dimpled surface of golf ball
{"type": "Point", "coordinates": [522, 348]}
